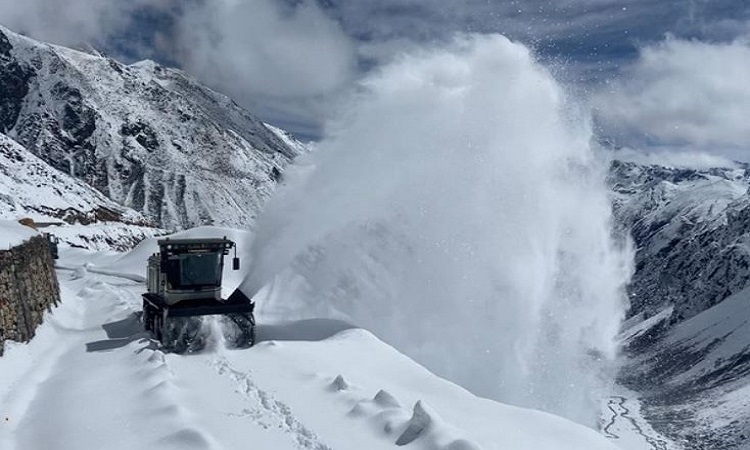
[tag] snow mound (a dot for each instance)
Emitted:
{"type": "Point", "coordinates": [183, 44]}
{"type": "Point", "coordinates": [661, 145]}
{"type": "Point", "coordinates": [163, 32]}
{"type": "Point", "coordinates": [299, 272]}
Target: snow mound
{"type": "Point", "coordinates": [369, 394]}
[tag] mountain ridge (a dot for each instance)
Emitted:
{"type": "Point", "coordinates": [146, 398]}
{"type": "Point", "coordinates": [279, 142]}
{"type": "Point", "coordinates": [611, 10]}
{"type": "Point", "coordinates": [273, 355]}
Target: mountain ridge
{"type": "Point", "coordinates": [685, 344]}
{"type": "Point", "coordinates": [691, 229]}
{"type": "Point", "coordinates": [149, 138]}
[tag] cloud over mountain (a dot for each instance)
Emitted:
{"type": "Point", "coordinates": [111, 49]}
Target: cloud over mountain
{"type": "Point", "coordinates": [684, 93]}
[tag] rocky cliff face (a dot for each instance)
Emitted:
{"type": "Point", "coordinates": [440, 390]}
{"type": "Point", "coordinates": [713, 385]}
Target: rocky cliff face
{"type": "Point", "coordinates": [31, 187]}
{"type": "Point", "coordinates": [149, 138]}
{"type": "Point", "coordinates": [692, 233]}
{"type": "Point", "coordinates": [28, 288]}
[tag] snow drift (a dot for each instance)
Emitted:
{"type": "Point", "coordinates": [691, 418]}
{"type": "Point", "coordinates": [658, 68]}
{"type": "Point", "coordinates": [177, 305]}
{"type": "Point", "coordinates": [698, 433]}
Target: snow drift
{"type": "Point", "coordinates": [456, 210]}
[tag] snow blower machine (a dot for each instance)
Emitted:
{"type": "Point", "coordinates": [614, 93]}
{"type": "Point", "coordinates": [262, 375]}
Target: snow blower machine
{"type": "Point", "coordinates": [184, 284]}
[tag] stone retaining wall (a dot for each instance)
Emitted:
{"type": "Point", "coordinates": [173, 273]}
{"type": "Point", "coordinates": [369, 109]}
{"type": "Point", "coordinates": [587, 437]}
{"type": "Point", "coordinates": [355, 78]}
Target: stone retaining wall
{"type": "Point", "coordinates": [28, 288]}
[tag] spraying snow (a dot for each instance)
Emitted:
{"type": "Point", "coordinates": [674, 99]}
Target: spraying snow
{"type": "Point", "coordinates": [458, 212]}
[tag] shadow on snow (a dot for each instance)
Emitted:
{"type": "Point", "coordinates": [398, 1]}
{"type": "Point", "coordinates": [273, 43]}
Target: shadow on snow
{"type": "Point", "coordinates": [122, 332]}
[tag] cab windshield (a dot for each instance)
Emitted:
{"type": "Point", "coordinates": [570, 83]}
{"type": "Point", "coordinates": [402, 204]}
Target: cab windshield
{"type": "Point", "coordinates": [195, 270]}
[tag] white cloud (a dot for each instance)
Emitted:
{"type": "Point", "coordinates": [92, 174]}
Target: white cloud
{"type": "Point", "coordinates": [266, 53]}
{"type": "Point", "coordinates": [684, 93]}
{"type": "Point", "coordinates": [674, 158]}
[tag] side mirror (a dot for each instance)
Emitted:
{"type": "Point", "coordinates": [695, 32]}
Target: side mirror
{"type": "Point", "coordinates": [235, 263]}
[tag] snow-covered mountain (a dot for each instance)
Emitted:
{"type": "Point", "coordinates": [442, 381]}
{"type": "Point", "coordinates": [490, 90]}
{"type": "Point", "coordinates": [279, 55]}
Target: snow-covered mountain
{"type": "Point", "coordinates": [694, 381]}
{"type": "Point", "coordinates": [31, 188]}
{"type": "Point", "coordinates": [692, 233]}
{"type": "Point", "coordinates": [149, 138]}
{"type": "Point", "coordinates": [687, 341]}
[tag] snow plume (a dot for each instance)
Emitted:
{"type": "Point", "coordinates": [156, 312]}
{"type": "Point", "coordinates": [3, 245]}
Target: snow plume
{"type": "Point", "coordinates": [685, 93]}
{"type": "Point", "coordinates": [457, 211]}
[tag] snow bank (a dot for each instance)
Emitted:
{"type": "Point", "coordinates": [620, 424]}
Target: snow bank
{"type": "Point", "coordinates": [13, 233]}
{"type": "Point", "coordinates": [359, 390]}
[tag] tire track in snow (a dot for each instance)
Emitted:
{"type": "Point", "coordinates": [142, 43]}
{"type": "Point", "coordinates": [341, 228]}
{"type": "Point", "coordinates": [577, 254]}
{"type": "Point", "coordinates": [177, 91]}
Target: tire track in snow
{"type": "Point", "coordinates": [78, 395]}
{"type": "Point", "coordinates": [266, 410]}
{"type": "Point", "coordinates": [155, 378]}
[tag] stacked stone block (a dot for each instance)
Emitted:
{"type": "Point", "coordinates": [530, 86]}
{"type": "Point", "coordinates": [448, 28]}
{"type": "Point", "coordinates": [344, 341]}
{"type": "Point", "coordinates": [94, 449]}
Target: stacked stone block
{"type": "Point", "coordinates": [28, 288]}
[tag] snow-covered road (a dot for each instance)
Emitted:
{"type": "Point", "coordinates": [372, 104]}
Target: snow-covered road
{"type": "Point", "coordinates": [92, 379]}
